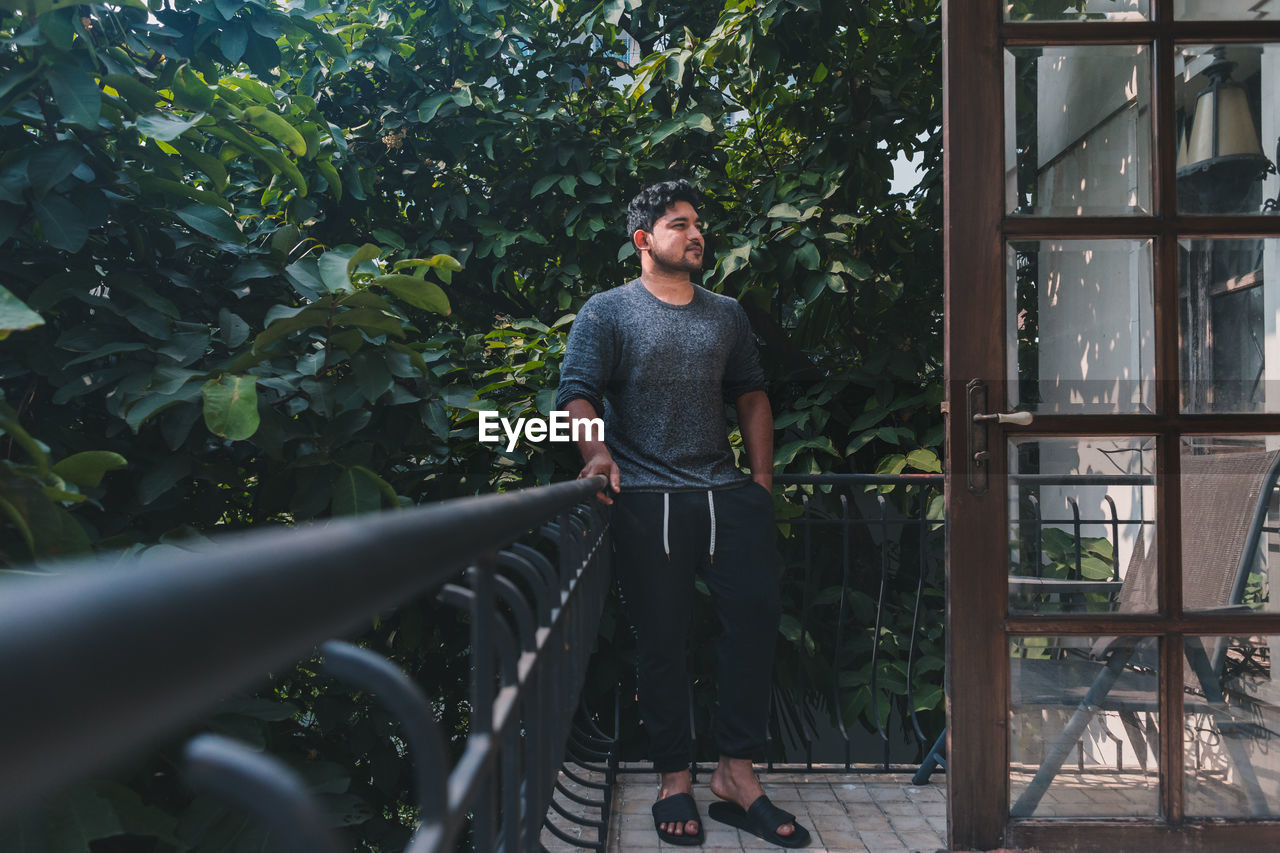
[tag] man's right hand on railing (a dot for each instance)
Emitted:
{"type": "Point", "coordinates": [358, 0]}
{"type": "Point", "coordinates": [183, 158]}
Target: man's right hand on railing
{"type": "Point", "coordinates": [602, 463]}
{"type": "Point", "coordinates": [597, 460]}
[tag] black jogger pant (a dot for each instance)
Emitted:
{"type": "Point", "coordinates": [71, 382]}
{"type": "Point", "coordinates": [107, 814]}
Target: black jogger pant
{"type": "Point", "coordinates": [726, 536]}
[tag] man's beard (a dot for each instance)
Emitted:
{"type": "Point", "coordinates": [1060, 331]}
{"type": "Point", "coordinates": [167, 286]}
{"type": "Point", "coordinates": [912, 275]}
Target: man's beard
{"type": "Point", "coordinates": [683, 262]}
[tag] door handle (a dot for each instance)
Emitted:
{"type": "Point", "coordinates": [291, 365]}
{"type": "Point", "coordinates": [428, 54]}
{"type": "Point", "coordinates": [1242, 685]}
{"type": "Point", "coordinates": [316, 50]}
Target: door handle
{"type": "Point", "coordinates": [1016, 418]}
{"type": "Point", "coordinates": [979, 449]}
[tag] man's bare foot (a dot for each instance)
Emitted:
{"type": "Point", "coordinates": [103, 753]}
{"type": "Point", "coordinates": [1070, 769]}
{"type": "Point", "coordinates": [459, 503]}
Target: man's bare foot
{"type": "Point", "coordinates": [734, 780]}
{"type": "Point", "coordinates": [677, 783]}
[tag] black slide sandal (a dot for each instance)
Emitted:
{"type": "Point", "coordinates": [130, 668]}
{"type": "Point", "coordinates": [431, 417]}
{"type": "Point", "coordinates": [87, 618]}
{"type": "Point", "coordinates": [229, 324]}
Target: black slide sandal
{"type": "Point", "coordinates": [761, 820]}
{"type": "Point", "coordinates": [678, 808]}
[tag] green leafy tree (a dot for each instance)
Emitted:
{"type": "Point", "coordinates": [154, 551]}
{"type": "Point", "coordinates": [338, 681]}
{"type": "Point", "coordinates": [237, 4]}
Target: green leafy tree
{"type": "Point", "coordinates": [266, 262]}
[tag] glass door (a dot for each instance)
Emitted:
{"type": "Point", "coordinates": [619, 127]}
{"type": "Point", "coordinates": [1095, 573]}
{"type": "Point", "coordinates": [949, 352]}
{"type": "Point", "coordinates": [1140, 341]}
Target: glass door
{"type": "Point", "coordinates": [1113, 363]}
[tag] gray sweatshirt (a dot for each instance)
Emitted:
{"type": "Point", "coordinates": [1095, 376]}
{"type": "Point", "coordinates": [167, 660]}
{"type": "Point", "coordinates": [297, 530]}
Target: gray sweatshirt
{"type": "Point", "coordinates": [661, 374]}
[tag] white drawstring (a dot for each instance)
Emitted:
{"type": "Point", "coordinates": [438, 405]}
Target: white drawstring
{"type": "Point", "coordinates": [711, 502]}
{"type": "Point", "coordinates": [666, 515]}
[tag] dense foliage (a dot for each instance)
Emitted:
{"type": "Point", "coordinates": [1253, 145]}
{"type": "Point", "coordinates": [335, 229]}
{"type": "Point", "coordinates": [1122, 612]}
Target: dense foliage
{"type": "Point", "coordinates": [266, 261]}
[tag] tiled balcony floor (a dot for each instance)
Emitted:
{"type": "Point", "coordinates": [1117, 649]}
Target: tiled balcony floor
{"type": "Point", "coordinates": [871, 813]}
{"type": "Point", "coordinates": [849, 813]}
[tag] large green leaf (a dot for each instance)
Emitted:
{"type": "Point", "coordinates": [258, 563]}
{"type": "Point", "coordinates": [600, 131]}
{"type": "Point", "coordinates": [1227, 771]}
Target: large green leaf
{"type": "Point", "coordinates": [787, 452]}
{"type": "Point", "coordinates": [367, 252]}
{"type": "Point", "coordinates": [231, 406]}
{"type": "Point", "coordinates": [15, 316]}
{"type": "Point", "coordinates": [234, 39]}
{"type": "Point", "coordinates": [277, 128]}
{"type": "Point", "coordinates": [35, 449]}
{"type": "Point", "coordinates": [51, 164]}
{"type": "Point", "coordinates": [359, 490]}
{"type": "Point", "coordinates": [76, 94]}
{"type": "Point", "coordinates": [924, 460]}
{"type": "Point", "coordinates": [210, 220]}
{"type": "Point", "coordinates": [372, 375]}
{"type": "Point", "coordinates": [417, 292]}
{"type": "Point", "coordinates": [139, 412]}
{"type": "Point", "coordinates": [164, 127]}
{"type": "Point", "coordinates": [428, 108]}
{"type": "Point", "coordinates": [371, 320]}
{"type": "Point", "coordinates": [279, 328]}
{"type": "Point", "coordinates": [333, 267]}
{"type": "Point", "coordinates": [192, 92]}
{"type": "Point", "coordinates": [63, 224]}
{"type": "Point", "coordinates": [87, 469]}
{"type": "Point", "coordinates": [162, 476]}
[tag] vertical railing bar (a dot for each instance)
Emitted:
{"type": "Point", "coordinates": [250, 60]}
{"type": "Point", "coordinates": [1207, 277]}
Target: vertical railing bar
{"type": "Point", "coordinates": [805, 735]}
{"type": "Point", "coordinates": [1076, 532]}
{"type": "Point", "coordinates": [510, 645]}
{"type": "Point", "coordinates": [1115, 538]}
{"type": "Point", "coordinates": [882, 504]}
{"type": "Point", "coordinates": [1033, 503]}
{"type": "Point", "coordinates": [915, 621]}
{"type": "Point", "coordinates": [482, 692]}
{"type": "Point", "coordinates": [536, 746]}
{"type": "Point", "coordinates": [368, 670]}
{"type": "Point", "coordinates": [263, 784]}
{"type": "Point", "coordinates": [530, 818]}
{"type": "Point", "coordinates": [835, 656]}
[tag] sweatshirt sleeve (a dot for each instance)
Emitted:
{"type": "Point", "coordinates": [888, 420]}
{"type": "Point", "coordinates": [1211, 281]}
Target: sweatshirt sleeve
{"type": "Point", "coordinates": [588, 359]}
{"type": "Point", "coordinates": [742, 373]}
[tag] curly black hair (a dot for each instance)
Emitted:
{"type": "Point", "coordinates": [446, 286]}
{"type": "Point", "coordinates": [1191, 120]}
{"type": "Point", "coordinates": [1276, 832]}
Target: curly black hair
{"type": "Point", "coordinates": [652, 202]}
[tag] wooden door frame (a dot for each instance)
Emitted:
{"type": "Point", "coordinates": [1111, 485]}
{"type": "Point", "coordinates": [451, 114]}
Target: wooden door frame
{"type": "Point", "coordinates": [973, 197]}
{"type": "Point", "coordinates": [975, 230]}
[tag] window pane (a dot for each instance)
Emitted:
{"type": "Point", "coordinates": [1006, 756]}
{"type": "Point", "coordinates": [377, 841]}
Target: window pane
{"type": "Point", "coordinates": [1229, 349]}
{"type": "Point", "coordinates": [1093, 10]}
{"type": "Point", "coordinates": [1084, 728]}
{"type": "Point", "coordinates": [1078, 130]}
{"type": "Point", "coordinates": [1082, 531]}
{"type": "Point", "coordinates": [1231, 721]}
{"type": "Point", "coordinates": [1080, 334]}
{"type": "Point", "coordinates": [1226, 10]}
{"type": "Point", "coordinates": [1228, 124]}
{"type": "Point", "coordinates": [1229, 521]}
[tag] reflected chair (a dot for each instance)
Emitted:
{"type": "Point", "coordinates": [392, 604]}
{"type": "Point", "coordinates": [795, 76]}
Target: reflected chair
{"type": "Point", "coordinates": [1225, 499]}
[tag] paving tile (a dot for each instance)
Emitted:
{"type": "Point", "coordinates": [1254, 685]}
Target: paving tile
{"type": "Point", "coordinates": [925, 840]}
{"type": "Point", "coordinates": [899, 807]}
{"type": "Point", "coordinates": [843, 841]}
{"type": "Point", "coordinates": [888, 794]}
{"type": "Point", "coordinates": [853, 794]}
{"type": "Point", "coordinates": [863, 809]}
{"type": "Point", "coordinates": [635, 839]}
{"type": "Point", "coordinates": [719, 835]}
{"type": "Point", "coordinates": [819, 792]}
{"type": "Point", "coordinates": [830, 820]}
{"type": "Point", "coordinates": [882, 842]}
{"type": "Point", "coordinates": [925, 793]}
{"type": "Point", "coordinates": [825, 807]}
{"type": "Point", "coordinates": [913, 823]}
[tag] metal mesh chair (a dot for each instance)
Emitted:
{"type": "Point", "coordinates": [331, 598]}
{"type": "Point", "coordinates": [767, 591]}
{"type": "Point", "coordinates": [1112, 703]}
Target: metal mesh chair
{"type": "Point", "coordinates": [1224, 497]}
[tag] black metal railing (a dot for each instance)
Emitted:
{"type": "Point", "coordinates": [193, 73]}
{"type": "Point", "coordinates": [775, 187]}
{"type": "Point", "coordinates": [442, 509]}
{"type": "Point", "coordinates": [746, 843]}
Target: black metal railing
{"type": "Point", "coordinates": [143, 650]}
{"type": "Point", "coordinates": [97, 664]}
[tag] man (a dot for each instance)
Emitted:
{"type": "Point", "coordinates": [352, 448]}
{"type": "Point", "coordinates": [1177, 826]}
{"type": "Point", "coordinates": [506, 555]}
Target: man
{"type": "Point", "coordinates": [659, 357]}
